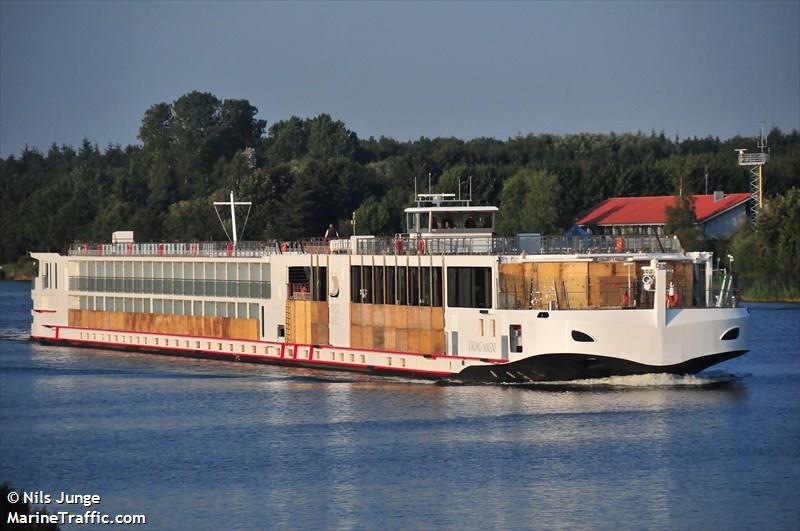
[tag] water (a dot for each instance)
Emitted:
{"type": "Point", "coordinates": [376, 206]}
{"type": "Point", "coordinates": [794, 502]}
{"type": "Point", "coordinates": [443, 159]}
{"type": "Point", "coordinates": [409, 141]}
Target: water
{"type": "Point", "coordinates": [213, 445]}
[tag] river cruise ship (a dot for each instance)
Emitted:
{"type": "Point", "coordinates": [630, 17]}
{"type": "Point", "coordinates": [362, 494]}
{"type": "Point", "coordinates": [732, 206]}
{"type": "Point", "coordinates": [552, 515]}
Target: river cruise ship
{"type": "Point", "coordinates": [447, 300]}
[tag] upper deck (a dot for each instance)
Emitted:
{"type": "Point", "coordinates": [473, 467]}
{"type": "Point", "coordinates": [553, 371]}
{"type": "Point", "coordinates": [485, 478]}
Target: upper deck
{"type": "Point", "coordinates": [401, 244]}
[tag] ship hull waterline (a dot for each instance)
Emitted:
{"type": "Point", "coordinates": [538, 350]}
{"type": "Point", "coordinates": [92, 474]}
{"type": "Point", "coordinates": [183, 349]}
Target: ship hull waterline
{"type": "Point", "coordinates": [561, 367]}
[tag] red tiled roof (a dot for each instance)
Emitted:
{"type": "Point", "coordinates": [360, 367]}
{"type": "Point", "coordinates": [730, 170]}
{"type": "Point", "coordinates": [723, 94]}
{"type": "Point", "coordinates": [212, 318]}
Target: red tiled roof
{"type": "Point", "coordinates": [652, 209]}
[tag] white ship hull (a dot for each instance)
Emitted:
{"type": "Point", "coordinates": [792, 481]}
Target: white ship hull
{"type": "Point", "coordinates": [492, 344]}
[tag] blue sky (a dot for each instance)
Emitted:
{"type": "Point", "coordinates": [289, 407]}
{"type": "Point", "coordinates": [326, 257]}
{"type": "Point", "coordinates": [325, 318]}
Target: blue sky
{"type": "Point", "coordinates": [70, 70]}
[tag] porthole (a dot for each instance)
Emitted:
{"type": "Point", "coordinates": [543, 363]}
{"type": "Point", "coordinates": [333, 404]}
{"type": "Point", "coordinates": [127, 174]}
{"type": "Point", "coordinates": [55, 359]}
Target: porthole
{"type": "Point", "coordinates": [731, 334]}
{"type": "Point", "coordinates": [581, 337]}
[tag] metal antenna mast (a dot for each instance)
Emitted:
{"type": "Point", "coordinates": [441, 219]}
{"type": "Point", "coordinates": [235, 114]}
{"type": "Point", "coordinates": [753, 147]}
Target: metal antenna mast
{"type": "Point", "coordinates": [233, 204]}
{"type": "Point", "coordinates": [756, 161]}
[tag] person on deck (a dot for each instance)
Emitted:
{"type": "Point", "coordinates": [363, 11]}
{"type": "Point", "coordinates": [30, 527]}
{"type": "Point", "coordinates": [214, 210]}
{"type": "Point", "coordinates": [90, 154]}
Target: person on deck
{"type": "Point", "coordinates": [331, 233]}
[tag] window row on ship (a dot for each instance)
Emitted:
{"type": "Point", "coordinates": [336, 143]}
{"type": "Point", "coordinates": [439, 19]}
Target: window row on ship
{"type": "Point", "coordinates": [240, 310]}
{"type": "Point", "coordinates": [467, 287]}
{"type": "Point", "coordinates": [211, 279]}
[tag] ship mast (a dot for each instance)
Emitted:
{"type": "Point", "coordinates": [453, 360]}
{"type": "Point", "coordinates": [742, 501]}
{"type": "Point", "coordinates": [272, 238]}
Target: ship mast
{"type": "Point", "coordinates": [233, 204]}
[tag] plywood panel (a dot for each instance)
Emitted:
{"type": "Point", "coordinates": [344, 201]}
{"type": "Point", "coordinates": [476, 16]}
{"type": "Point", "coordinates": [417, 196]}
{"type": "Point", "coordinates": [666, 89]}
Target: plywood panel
{"type": "Point", "coordinates": [437, 318]}
{"type": "Point", "coordinates": [413, 339]}
{"type": "Point", "coordinates": [377, 337]}
{"type": "Point", "coordinates": [166, 324]}
{"type": "Point", "coordinates": [401, 339]}
{"type": "Point", "coordinates": [437, 341]}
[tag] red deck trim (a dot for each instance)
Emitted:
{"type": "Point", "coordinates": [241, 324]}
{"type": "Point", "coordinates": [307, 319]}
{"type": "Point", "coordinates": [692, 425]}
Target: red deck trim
{"type": "Point", "coordinates": [283, 343]}
{"type": "Point", "coordinates": [235, 355]}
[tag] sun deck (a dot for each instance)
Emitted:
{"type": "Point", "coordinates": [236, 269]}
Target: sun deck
{"type": "Point", "coordinates": [392, 245]}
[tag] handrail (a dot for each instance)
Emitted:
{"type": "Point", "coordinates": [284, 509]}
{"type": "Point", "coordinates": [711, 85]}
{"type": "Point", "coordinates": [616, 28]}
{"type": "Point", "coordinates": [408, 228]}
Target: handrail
{"type": "Point", "coordinates": [402, 244]}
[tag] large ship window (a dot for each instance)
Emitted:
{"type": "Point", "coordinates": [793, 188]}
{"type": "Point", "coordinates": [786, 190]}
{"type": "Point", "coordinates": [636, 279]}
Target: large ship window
{"type": "Point", "coordinates": [390, 285]}
{"type": "Point", "coordinates": [413, 286]}
{"type": "Point", "coordinates": [469, 287]}
{"type": "Point", "coordinates": [355, 284]}
{"type": "Point", "coordinates": [378, 290]}
{"type": "Point", "coordinates": [309, 283]}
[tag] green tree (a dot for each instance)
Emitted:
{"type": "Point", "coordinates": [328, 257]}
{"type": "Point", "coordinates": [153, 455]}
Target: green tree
{"type": "Point", "coordinates": [767, 253]}
{"type": "Point", "coordinates": [682, 221]}
{"type": "Point", "coordinates": [373, 215]}
{"type": "Point", "coordinates": [528, 202]}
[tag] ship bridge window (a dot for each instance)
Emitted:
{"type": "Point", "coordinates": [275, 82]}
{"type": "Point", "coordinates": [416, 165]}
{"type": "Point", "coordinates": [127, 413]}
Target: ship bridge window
{"type": "Point", "coordinates": [469, 287]}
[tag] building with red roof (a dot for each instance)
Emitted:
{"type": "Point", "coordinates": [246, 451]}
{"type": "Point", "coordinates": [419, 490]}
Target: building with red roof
{"type": "Point", "coordinates": [719, 214]}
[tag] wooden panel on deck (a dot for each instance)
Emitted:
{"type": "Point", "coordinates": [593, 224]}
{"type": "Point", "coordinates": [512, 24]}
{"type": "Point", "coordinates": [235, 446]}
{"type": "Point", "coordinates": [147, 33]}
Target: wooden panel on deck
{"type": "Point", "coordinates": [403, 328]}
{"type": "Point", "coordinates": [309, 322]}
{"type": "Point", "coordinates": [222, 327]}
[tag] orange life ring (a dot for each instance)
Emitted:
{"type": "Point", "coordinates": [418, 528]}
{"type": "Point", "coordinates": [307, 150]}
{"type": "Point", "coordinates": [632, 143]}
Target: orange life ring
{"type": "Point", "coordinates": [283, 247]}
{"type": "Point", "coordinates": [672, 300]}
{"type": "Point", "coordinates": [421, 246]}
{"type": "Point", "coordinates": [620, 245]}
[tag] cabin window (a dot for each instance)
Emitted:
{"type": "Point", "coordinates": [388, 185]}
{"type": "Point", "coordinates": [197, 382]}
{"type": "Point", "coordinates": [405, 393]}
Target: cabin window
{"type": "Point", "coordinates": [355, 284]}
{"type": "Point", "coordinates": [413, 286]}
{"type": "Point", "coordinates": [424, 221]}
{"type": "Point", "coordinates": [390, 285]}
{"type": "Point", "coordinates": [367, 289]}
{"type": "Point", "coordinates": [469, 287]}
{"type": "Point", "coordinates": [402, 285]}
{"type": "Point", "coordinates": [379, 291]}
{"type": "Point", "coordinates": [425, 286]}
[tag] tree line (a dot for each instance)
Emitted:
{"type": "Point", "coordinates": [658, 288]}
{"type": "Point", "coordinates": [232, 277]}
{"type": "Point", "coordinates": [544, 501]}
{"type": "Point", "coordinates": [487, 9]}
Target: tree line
{"type": "Point", "coordinates": [303, 173]}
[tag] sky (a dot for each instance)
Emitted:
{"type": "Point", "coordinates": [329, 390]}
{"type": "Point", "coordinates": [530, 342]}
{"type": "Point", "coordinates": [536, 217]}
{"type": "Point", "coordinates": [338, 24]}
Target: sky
{"type": "Point", "coordinates": [74, 70]}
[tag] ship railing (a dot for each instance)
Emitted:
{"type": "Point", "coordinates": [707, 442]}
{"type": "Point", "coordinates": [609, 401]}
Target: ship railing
{"type": "Point", "coordinates": [188, 249]}
{"type": "Point", "coordinates": [517, 297]}
{"type": "Point", "coordinates": [404, 244]}
{"type": "Point", "coordinates": [401, 244]}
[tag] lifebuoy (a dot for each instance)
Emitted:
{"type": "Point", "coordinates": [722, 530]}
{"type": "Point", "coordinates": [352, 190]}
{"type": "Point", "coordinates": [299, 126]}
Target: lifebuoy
{"type": "Point", "coordinates": [672, 300]}
{"type": "Point", "coordinates": [398, 246]}
{"type": "Point", "coordinates": [620, 245]}
{"type": "Point", "coordinates": [229, 249]}
{"type": "Point", "coordinates": [283, 247]}
{"type": "Point", "coordinates": [421, 246]}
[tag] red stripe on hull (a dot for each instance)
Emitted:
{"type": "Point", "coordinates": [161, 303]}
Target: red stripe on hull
{"type": "Point", "coordinates": [259, 341]}
{"type": "Point", "coordinates": [262, 358]}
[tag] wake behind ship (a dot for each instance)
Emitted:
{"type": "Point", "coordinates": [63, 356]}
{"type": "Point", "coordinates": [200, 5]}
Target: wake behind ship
{"type": "Point", "coordinates": [446, 300]}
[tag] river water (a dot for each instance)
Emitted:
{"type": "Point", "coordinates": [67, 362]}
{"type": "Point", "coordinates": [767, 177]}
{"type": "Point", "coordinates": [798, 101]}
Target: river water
{"type": "Point", "coordinates": [217, 445]}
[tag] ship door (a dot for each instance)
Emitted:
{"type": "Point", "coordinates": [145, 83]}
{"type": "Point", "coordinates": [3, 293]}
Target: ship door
{"type": "Point", "coordinates": [515, 337]}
